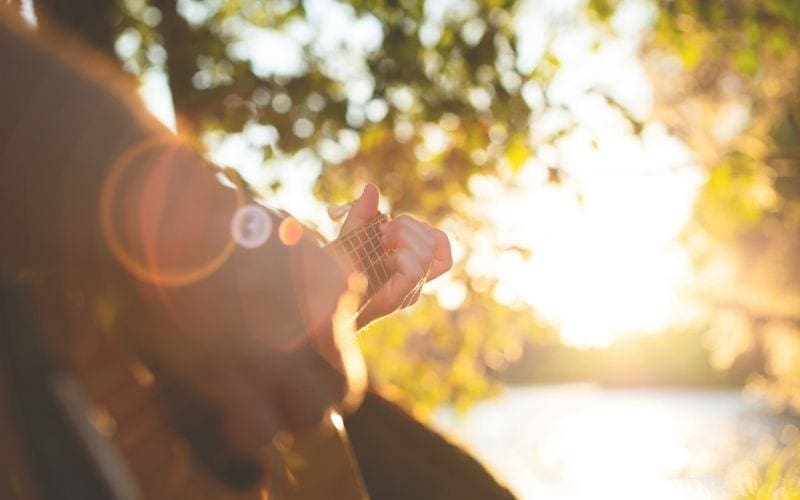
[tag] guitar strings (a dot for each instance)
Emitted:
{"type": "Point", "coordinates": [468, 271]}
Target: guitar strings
{"type": "Point", "coordinates": [370, 260]}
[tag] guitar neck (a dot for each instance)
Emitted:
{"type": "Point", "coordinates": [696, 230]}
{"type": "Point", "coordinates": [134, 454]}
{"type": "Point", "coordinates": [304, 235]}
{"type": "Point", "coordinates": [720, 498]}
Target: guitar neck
{"type": "Point", "coordinates": [363, 250]}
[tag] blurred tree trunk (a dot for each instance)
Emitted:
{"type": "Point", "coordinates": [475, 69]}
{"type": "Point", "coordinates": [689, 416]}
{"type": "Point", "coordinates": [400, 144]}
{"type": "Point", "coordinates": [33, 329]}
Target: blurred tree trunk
{"type": "Point", "coordinates": [179, 38]}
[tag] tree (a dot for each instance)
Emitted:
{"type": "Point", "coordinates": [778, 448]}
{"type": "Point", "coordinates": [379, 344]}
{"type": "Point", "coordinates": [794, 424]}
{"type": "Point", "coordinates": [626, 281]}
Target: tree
{"type": "Point", "coordinates": [737, 104]}
{"type": "Point", "coordinates": [418, 97]}
{"type": "Point", "coordinates": [423, 97]}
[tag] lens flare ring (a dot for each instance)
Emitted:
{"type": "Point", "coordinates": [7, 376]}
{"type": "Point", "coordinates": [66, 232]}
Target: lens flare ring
{"type": "Point", "coordinates": [142, 270]}
{"type": "Point", "coordinates": [251, 226]}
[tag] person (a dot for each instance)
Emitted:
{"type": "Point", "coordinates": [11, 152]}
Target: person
{"type": "Point", "coordinates": [114, 224]}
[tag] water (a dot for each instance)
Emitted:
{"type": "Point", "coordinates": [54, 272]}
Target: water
{"type": "Point", "coordinates": [587, 442]}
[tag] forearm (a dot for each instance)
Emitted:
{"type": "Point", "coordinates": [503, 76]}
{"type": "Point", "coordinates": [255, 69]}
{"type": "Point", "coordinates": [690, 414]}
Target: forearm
{"type": "Point", "coordinates": [134, 233]}
{"type": "Point", "coordinates": [61, 128]}
{"type": "Point", "coordinates": [94, 182]}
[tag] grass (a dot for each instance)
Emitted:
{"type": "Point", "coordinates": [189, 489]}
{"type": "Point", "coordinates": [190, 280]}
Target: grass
{"type": "Point", "coordinates": [779, 478]}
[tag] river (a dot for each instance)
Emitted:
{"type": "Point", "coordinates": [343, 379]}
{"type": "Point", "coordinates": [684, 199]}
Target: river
{"type": "Point", "coordinates": [589, 442]}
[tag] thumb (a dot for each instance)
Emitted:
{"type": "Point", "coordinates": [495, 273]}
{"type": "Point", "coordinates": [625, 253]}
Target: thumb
{"type": "Point", "coordinates": [364, 209]}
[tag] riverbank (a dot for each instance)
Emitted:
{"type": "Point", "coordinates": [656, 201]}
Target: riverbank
{"type": "Point", "coordinates": [676, 358]}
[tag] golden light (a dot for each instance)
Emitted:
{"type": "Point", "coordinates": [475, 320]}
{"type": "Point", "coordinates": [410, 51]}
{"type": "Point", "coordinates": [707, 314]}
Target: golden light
{"type": "Point", "coordinates": [605, 257]}
{"type": "Point", "coordinates": [151, 161]}
{"type": "Point", "coordinates": [290, 231]}
{"type": "Point", "coordinates": [583, 442]}
{"type": "Point", "coordinates": [604, 265]}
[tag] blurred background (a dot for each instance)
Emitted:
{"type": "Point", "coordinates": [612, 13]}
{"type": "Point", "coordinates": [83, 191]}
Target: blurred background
{"type": "Point", "coordinates": [620, 180]}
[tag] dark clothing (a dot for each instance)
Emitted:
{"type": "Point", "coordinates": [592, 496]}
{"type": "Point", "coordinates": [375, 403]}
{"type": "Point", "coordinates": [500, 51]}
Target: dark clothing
{"type": "Point", "coordinates": [67, 117]}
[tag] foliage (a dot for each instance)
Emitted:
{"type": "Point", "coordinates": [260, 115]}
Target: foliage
{"type": "Point", "coordinates": [446, 355]}
{"type": "Point", "coordinates": [415, 96]}
{"type": "Point", "coordinates": [676, 358]}
{"type": "Point", "coordinates": [778, 478]}
{"type": "Point", "coordinates": [739, 59]}
{"type": "Point", "coordinates": [421, 97]}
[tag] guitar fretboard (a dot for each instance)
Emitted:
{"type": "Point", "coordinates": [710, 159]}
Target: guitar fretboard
{"type": "Point", "coordinates": [364, 251]}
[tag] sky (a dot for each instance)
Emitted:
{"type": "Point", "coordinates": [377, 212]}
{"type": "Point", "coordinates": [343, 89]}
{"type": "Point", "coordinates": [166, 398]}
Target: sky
{"type": "Point", "coordinates": [605, 261]}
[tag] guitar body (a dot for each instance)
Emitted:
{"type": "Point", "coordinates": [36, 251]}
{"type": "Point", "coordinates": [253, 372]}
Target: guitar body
{"type": "Point", "coordinates": [132, 415]}
{"type": "Point", "coordinates": [138, 439]}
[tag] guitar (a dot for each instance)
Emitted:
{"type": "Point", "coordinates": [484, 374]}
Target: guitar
{"type": "Point", "coordinates": [122, 415]}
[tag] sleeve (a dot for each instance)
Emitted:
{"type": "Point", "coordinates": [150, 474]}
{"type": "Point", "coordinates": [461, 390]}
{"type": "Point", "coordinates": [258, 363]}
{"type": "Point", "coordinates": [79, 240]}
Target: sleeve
{"type": "Point", "coordinates": [102, 198]}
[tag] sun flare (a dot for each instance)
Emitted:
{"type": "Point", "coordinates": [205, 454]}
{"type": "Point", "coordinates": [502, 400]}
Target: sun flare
{"type": "Point", "coordinates": [605, 257]}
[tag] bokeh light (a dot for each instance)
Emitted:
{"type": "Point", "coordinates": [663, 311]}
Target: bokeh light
{"type": "Point", "coordinates": [290, 231]}
{"type": "Point", "coordinates": [251, 226]}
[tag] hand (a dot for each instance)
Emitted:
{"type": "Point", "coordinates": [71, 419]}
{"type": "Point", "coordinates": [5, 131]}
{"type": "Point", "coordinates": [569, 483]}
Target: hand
{"type": "Point", "coordinates": [257, 341]}
{"type": "Point", "coordinates": [419, 253]}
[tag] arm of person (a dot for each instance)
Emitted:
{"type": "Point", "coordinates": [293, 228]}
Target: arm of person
{"type": "Point", "coordinates": [112, 203]}
{"type": "Point", "coordinates": [250, 331]}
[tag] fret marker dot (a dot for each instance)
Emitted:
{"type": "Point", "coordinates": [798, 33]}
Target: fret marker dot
{"type": "Point", "coordinates": [290, 231]}
{"type": "Point", "coordinates": [251, 226]}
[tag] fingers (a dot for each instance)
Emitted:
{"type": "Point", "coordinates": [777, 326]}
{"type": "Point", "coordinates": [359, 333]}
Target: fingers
{"type": "Point", "coordinates": [314, 384]}
{"type": "Point", "coordinates": [302, 405]}
{"type": "Point", "coordinates": [419, 253]}
{"type": "Point", "coordinates": [405, 264]}
{"type": "Point", "coordinates": [405, 231]}
{"type": "Point", "coordinates": [408, 275]}
{"type": "Point", "coordinates": [431, 245]}
{"type": "Point", "coordinates": [249, 422]}
{"type": "Point", "coordinates": [304, 382]}
{"type": "Point", "coordinates": [364, 209]}
{"type": "Point", "coordinates": [443, 255]}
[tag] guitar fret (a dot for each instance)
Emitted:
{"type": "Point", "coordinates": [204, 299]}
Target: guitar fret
{"type": "Point", "coordinates": [364, 251]}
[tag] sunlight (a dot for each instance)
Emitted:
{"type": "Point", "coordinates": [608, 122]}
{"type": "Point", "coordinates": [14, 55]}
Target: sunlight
{"type": "Point", "coordinates": [600, 269]}
{"type": "Point", "coordinates": [582, 273]}
{"type": "Point", "coordinates": [154, 90]}
{"type": "Point", "coordinates": [607, 266]}
{"type": "Point", "coordinates": [585, 442]}
{"type": "Point", "coordinates": [605, 260]}
{"type": "Point", "coordinates": [637, 439]}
